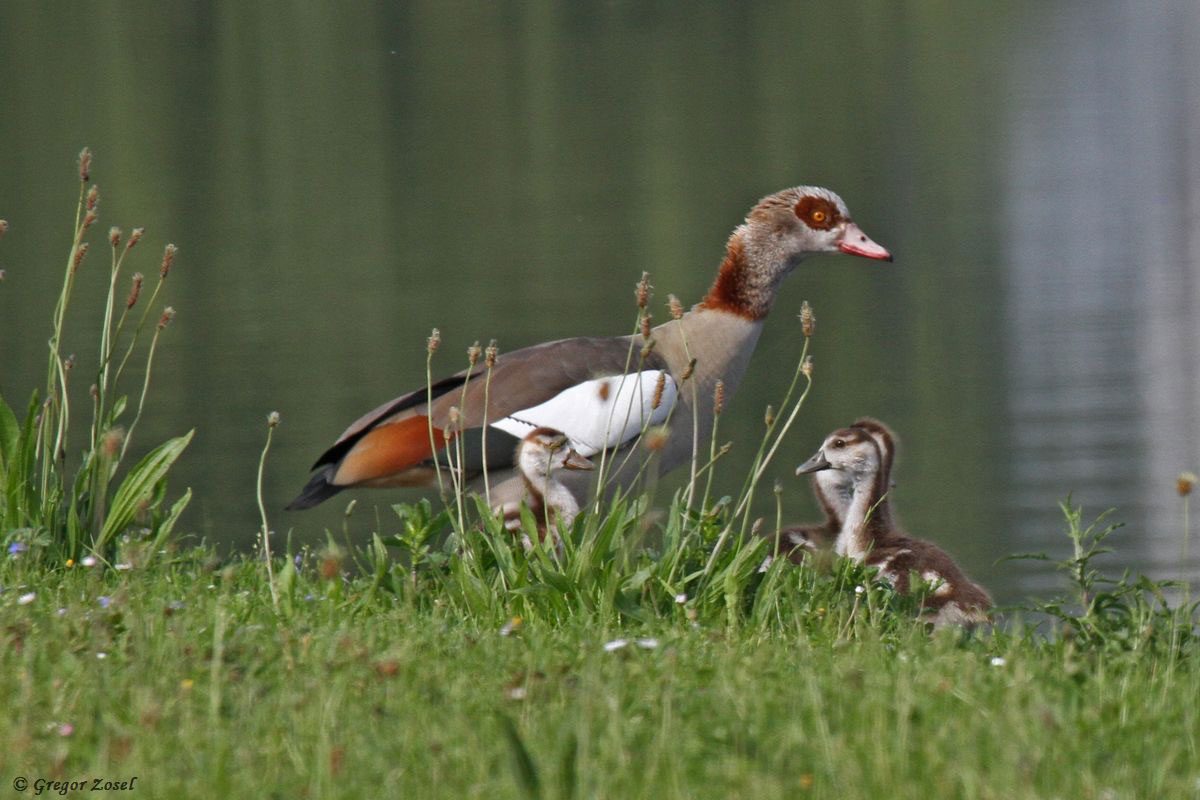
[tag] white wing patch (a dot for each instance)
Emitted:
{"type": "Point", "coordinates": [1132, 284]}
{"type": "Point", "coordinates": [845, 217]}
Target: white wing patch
{"type": "Point", "coordinates": [599, 414]}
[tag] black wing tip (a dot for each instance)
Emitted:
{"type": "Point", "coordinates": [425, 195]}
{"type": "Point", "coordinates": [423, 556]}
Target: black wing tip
{"type": "Point", "coordinates": [316, 491]}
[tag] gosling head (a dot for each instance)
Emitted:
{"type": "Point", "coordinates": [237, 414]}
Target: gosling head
{"type": "Point", "coordinates": [850, 450]}
{"type": "Point", "coordinates": [544, 451]}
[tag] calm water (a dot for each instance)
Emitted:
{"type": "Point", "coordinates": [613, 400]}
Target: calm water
{"type": "Point", "coordinates": [339, 182]}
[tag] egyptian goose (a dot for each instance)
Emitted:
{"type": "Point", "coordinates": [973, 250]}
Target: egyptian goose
{"type": "Point", "coordinates": [869, 533]}
{"type": "Point", "coordinates": [541, 458]}
{"type": "Point", "coordinates": [832, 491]}
{"type": "Point", "coordinates": [601, 392]}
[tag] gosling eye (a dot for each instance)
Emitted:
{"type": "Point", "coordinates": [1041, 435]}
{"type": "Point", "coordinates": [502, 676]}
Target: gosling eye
{"type": "Point", "coordinates": [838, 444]}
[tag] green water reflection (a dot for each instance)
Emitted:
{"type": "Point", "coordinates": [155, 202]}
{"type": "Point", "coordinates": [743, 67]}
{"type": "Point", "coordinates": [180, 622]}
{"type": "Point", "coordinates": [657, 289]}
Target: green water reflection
{"type": "Point", "coordinates": [340, 179]}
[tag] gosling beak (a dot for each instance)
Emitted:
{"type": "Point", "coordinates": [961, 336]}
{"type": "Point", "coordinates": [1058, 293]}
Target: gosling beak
{"type": "Point", "coordinates": [815, 464]}
{"type": "Point", "coordinates": [857, 243]}
{"type": "Point", "coordinates": [576, 461]}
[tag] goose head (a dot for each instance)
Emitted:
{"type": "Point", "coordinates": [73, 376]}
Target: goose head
{"type": "Point", "coordinates": [779, 232]}
{"type": "Point", "coordinates": [545, 451]}
{"type": "Point", "coordinates": [809, 219]}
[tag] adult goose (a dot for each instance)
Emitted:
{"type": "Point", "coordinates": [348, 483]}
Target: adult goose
{"type": "Point", "coordinates": [869, 533]}
{"type": "Point", "coordinates": [543, 457]}
{"type": "Point", "coordinates": [600, 392]}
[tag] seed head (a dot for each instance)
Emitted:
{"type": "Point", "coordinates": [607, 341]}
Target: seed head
{"type": "Point", "coordinates": [1185, 482]}
{"type": "Point", "coordinates": [675, 307]}
{"type": "Point", "coordinates": [93, 198]}
{"type": "Point", "coordinates": [806, 366]}
{"type": "Point", "coordinates": [2, 274]}
{"type": "Point", "coordinates": [114, 236]}
{"type": "Point", "coordinates": [656, 438]}
{"type": "Point", "coordinates": [489, 355]}
{"type": "Point", "coordinates": [331, 565]}
{"type": "Point", "coordinates": [646, 325]}
{"type": "Point", "coordinates": [455, 416]}
{"type": "Point", "coordinates": [134, 290]}
{"type": "Point", "coordinates": [110, 444]}
{"type": "Point", "coordinates": [659, 387]}
{"type": "Point", "coordinates": [647, 349]}
{"type": "Point", "coordinates": [756, 527]}
{"type": "Point", "coordinates": [90, 217]}
{"type": "Point", "coordinates": [134, 238]}
{"type": "Point", "coordinates": [85, 164]}
{"type": "Point", "coordinates": [167, 315]}
{"type": "Point", "coordinates": [643, 290]}
{"type": "Point", "coordinates": [808, 322]}
{"type": "Point", "coordinates": [168, 259]}
{"type": "Point", "coordinates": [719, 397]}
{"type": "Point", "coordinates": [434, 341]}
{"type": "Point", "coordinates": [688, 370]}
{"type": "Point", "coordinates": [725, 448]}
{"type": "Point", "coordinates": [273, 419]}
{"type": "Point", "coordinates": [80, 254]}
{"type": "Point", "coordinates": [769, 416]}
{"type": "Point", "coordinates": [473, 353]}
{"type": "Point", "coordinates": [3, 227]}
{"type": "Point", "coordinates": [69, 363]}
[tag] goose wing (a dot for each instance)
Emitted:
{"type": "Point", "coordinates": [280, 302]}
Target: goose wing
{"type": "Point", "coordinates": [600, 392]}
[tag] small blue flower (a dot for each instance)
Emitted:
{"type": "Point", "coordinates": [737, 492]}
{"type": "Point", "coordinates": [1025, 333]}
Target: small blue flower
{"type": "Point", "coordinates": [104, 601]}
{"type": "Point", "coordinates": [298, 560]}
{"type": "Point", "coordinates": [310, 597]}
{"type": "Point", "coordinates": [16, 548]}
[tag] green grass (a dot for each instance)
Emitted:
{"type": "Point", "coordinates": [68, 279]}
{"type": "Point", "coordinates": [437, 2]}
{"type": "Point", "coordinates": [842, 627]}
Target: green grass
{"type": "Point", "coordinates": [203, 690]}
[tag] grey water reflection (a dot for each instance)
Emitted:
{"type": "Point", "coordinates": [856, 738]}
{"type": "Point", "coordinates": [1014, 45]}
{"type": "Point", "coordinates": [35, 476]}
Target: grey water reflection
{"type": "Point", "coordinates": [1104, 292]}
{"type": "Point", "coordinates": [339, 184]}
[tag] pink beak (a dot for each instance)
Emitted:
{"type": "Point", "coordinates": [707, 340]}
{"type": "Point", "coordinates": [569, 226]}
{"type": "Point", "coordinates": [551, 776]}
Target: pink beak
{"type": "Point", "coordinates": [857, 243]}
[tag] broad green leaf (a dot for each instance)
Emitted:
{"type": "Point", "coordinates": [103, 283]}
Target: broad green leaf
{"type": "Point", "coordinates": [139, 485]}
{"type": "Point", "coordinates": [168, 524]}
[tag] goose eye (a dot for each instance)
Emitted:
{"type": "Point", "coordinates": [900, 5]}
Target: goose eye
{"type": "Point", "coordinates": [816, 212]}
{"type": "Point", "coordinates": [838, 444]}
